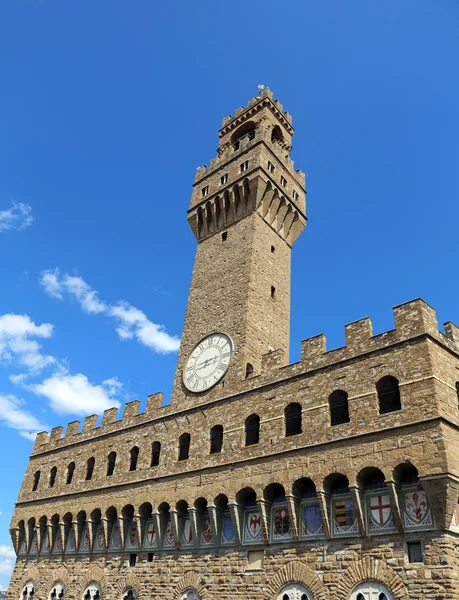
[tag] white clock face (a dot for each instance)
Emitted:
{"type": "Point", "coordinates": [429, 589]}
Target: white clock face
{"type": "Point", "coordinates": [208, 362]}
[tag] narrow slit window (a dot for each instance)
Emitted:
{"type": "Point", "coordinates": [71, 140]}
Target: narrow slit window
{"type": "Point", "coordinates": [273, 292]}
{"type": "Point", "coordinates": [244, 166]}
{"type": "Point", "coordinates": [111, 463]}
{"type": "Point", "coordinates": [36, 480]}
{"type": "Point", "coordinates": [205, 191]}
{"type": "Point", "coordinates": [283, 181]}
{"type": "Point", "coordinates": [155, 453]}
{"type": "Point", "coordinates": [52, 477]}
{"type": "Point", "coordinates": [224, 179]}
{"type": "Point", "coordinates": [271, 167]}
{"type": "Point", "coordinates": [224, 236]}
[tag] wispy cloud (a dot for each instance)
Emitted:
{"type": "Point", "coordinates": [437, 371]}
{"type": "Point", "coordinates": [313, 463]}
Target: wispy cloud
{"type": "Point", "coordinates": [76, 395]}
{"type": "Point", "coordinates": [17, 333]}
{"type": "Point", "coordinates": [66, 392]}
{"type": "Point", "coordinates": [130, 322]}
{"type": "Point", "coordinates": [17, 217]}
{"type": "Point", "coordinates": [14, 415]}
{"type": "Point", "coordinates": [7, 558]}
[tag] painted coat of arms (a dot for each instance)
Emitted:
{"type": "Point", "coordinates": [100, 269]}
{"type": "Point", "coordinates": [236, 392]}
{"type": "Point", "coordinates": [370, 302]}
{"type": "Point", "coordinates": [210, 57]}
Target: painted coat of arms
{"type": "Point", "coordinates": [187, 535]}
{"type": "Point", "coordinates": [417, 510]}
{"type": "Point", "coordinates": [380, 513]}
{"type": "Point", "coordinates": [312, 520]}
{"type": "Point", "coordinates": [99, 544]}
{"type": "Point", "coordinates": [71, 541]}
{"type": "Point", "coordinates": [34, 545]}
{"type": "Point", "coordinates": [150, 536]}
{"type": "Point", "coordinates": [45, 543]}
{"type": "Point", "coordinates": [85, 541]}
{"type": "Point", "coordinates": [206, 534]}
{"type": "Point", "coordinates": [132, 538]}
{"type": "Point", "coordinates": [58, 543]}
{"type": "Point", "coordinates": [227, 529]}
{"type": "Point", "coordinates": [169, 536]}
{"type": "Point", "coordinates": [282, 524]}
{"type": "Point", "coordinates": [252, 529]}
{"type": "Point", "coordinates": [345, 521]}
{"type": "Point", "coordinates": [115, 539]}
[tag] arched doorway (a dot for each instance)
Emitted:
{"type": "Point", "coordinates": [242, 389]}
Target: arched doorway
{"type": "Point", "coordinates": [190, 594]}
{"type": "Point", "coordinates": [371, 590]}
{"type": "Point", "coordinates": [294, 591]}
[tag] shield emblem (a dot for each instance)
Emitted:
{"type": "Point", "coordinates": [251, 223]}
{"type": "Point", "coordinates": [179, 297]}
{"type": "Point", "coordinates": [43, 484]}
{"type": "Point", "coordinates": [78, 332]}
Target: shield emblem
{"type": "Point", "coordinates": [227, 529]}
{"type": "Point", "coordinates": [169, 536]}
{"type": "Point", "coordinates": [187, 537]}
{"type": "Point", "coordinates": [85, 540]}
{"type": "Point", "coordinates": [206, 531]}
{"type": "Point", "coordinates": [23, 548]}
{"type": "Point", "coordinates": [115, 542]}
{"type": "Point", "coordinates": [312, 520]}
{"type": "Point", "coordinates": [416, 506]}
{"type": "Point", "coordinates": [34, 545]}
{"type": "Point", "coordinates": [380, 509]}
{"type": "Point", "coordinates": [45, 545]}
{"type": "Point", "coordinates": [71, 541]}
{"type": "Point", "coordinates": [58, 543]}
{"type": "Point", "coordinates": [282, 528]}
{"type": "Point", "coordinates": [150, 537]}
{"type": "Point", "coordinates": [253, 526]}
{"type": "Point", "coordinates": [345, 519]}
{"type": "Point", "coordinates": [100, 539]}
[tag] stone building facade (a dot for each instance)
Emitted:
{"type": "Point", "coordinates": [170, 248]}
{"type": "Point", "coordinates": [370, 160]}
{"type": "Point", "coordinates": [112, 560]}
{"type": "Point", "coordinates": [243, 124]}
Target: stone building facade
{"type": "Point", "coordinates": [333, 478]}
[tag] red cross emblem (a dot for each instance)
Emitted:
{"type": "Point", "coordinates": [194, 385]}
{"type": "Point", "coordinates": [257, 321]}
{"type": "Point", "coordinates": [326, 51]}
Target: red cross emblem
{"type": "Point", "coordinates": [380, 509]}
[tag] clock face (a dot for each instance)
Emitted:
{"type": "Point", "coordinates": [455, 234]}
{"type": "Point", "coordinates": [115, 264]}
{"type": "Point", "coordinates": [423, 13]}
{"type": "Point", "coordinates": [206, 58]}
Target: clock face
{"type": "Point", "coordinates": [208, 362]}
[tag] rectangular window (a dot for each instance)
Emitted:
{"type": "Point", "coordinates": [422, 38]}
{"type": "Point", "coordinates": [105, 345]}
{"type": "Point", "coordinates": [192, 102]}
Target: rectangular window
{"type": "Point", "coordinates": [244, 166]}
{"type": "Point", "coordinates": [283, 181]}
{"type": "Point", "coordinates": [294, 195]}
{"type": "Point", "coordinates": [224, 179]}
{"type": "Point", "coordinates": [205, 191]}
{"type": "Point", "coordinates": [150, 557]}
{"type": "Point", "coordinates": [271, 167]}
{"type": "Point", "coordinates": [414, 552]}
{"type": "Point", "coordinates": [132, 560]}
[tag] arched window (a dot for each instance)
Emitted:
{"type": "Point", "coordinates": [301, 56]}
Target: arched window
{"type": "Point", "coordinates": [371, 590]}
{"type": "Point", "coordinates": [70, 471]}
{"type": "Point", "coordinates": [184, 446]}
{"type": "Point", "coordinates": [28, 591]}
{"type": "Point", "coordinates": [155, 453]}
{"type": "Point", "coordinates": [111, 463]}
{"type": "Point", "coordinates": [129, 595]}
{"type": "Point", "coordinates": [58, 592]}
{"type": "Point", "coordinates": [134, 458]}
{"type": "Point", "coordinates": [216, 439]}
{"type": "Point", "coordinates": [276, 135]}
{"type": "Point", "coordinates": [388, 394]}
{"type": "Point", "coordinates": [406, 474]}
{"type": "Point", "coordinates": [292, 415]}
{"type": "Point", "coordinates": [52, 477]}
{"type": "Point", "coordinates": [252, 430]}
{"type": "Point", "coordinates": [90, 468]}
{"type": "Point", "coordinates": [294, 591]}
{"type": "Point", "coordinates": [339, 408]}
{"type": "Point", "coordinates": [36, 480]}
{"type": "Point", "coordinates": [249, 370]}
{"type": "Point", "coordinates": [248, 129]}
{"type": "Point", "coordinates": [92, 592]}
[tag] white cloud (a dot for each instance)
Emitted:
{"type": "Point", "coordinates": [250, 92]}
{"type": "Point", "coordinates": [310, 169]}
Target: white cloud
{"type": "Point", "coordinates": [18, 217]}
{"type": "Point", "coordinates": [16, 333]}
{"type": "Point", "coordinates": [7, 558]}
{"type": "Point", "coordinates": [131, 322]}
{"type": "Point", "coordinates": [75, 394]}
{"type": "Point", "coordinates": [16, 417]}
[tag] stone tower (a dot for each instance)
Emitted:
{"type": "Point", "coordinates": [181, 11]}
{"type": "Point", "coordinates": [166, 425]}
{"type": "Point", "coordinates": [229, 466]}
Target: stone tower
{"type": "Point", "coordinates": [246, 211]}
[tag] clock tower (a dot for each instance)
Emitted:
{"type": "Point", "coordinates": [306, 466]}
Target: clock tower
{"type": "Point", "coordinates": [246, 210]}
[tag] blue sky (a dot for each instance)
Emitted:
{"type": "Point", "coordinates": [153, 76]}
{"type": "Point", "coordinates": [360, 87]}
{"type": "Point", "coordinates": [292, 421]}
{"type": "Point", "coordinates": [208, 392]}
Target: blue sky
{"type": "Point", "coordinates": [107, 109]}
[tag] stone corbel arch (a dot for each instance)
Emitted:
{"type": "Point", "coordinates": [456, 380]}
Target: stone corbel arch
{"type": "Point", "coordinates": [295, 572]}
{"type": "Point", "coordinates": [59, 575]}
{"type": "Point", "coordinates": [370, 569]}
{"type": "Point", "coordinates": [31, 574]}
{"type": "Point", "coordinates": [194, 580]}
{"type": "Point", "coordinates": [129, 581]}
{"type": "Point", "coordinates": [93, 574]}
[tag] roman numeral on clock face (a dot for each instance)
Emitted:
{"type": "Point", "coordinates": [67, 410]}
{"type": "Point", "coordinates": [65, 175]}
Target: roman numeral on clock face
{"type": "Point", "coordinates": [208, 362]}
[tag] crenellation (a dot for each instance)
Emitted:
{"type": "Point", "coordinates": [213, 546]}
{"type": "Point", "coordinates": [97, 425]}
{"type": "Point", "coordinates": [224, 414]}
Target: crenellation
{"type": "Point", "coordinates": [72, 429]}
{"type": "Point", "coordinates": [41, 439]}
{"type": "Point", "coordinates": [415, 318]}
{"type": "Point", "coordinates": [452, 332]}
{"type": "Point", "coordinates": [89, 424]}
{"type": "Point", "coordinates": [154, 404]}
{"type": "Point", "coordinates": [273, 360]}
{"type": "Point", "coordinates": [131, 410]}
{"type": "Point", "coordinates": [358, 334]}
{"type": "Point", "coordinates": [56, 434]}
{"type": "Point", "coordinates": [109, 417]}
{"type": "Point", "coordinates": [312, 348]}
